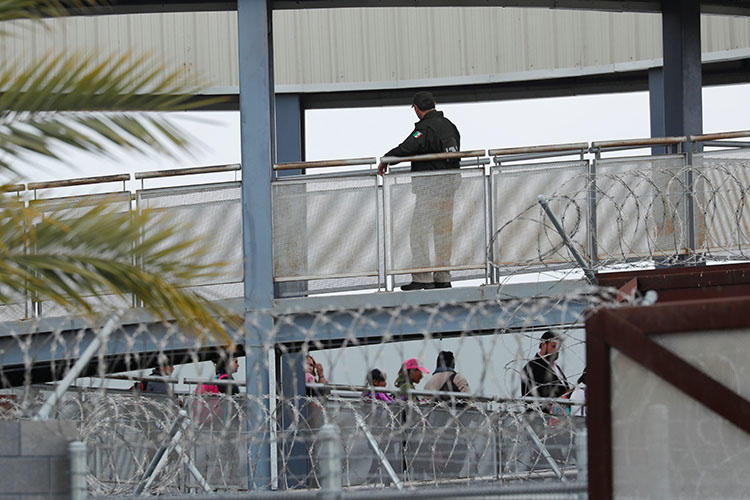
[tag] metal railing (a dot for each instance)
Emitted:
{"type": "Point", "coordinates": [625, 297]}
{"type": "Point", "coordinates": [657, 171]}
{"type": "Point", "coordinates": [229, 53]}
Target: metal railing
{"type": "Point", "coordinates": [352, 229]}
{"type": "Point", "coordinates": [162, 444]}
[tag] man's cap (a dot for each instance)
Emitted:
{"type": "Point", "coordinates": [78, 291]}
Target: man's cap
{"type": "Point", "coordinates": [550, 335]}
{"type": "Point", "coordinates": [413, 364]}
{"type": "Point", "coordinates": [423, 100]}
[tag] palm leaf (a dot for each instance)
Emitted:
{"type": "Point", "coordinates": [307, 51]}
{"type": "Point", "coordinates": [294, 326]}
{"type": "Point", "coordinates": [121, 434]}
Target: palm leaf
{"type": "Point", "coordinates": [91, 105]}
{"type": "Point", "coordinates": [77, 252]}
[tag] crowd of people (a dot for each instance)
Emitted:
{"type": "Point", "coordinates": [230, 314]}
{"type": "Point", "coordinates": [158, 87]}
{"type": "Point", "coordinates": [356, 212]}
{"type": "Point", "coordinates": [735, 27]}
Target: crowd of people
{"type": "Point", "coordinates": [541, 377]}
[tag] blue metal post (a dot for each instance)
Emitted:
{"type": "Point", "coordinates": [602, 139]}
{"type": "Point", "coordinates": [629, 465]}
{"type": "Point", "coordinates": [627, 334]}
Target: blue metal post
{"type": "Point", "coordinates": [656, 106]}
{"type": "Point", "coordinates": [290, 130]}
{"type": "Point", "coordinates": [257, 143]}
{"type": "Point", "coordinates": [681, 33]}
{"type": "Point", "coordinates": [683, 82]}
{"type": "Point", "coordinates": [290, 147]}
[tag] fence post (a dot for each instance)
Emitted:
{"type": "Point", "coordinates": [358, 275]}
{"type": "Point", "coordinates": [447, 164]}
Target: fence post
{"type": "Point", "coordinates": [99, 339]}
{"type": "Point", "coordinates": [78, 470]}
{"type": "Point", "coordinates": [582, 459]}
{"type": "Point", "coordinates": [593, 243]}
{"type": "Point", "coordinates": [329, 438]}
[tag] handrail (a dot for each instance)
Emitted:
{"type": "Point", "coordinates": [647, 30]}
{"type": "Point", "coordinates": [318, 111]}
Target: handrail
{"type": "Point", "coordinates": [324, 163]}
{"type": "Point", "coordinates": [15, 188]}
{"type": "Point", "coordinates": [323, 388]}
{"type": "Point", "coordinates": [79, 181]}
{"type": "Point", "coordinates": [187, 171]}
{"type": "Point", "coordinates": [433, 156]}
{"type": "Point", "coordinates": [549, 148]}
{"type": "Point", "coordinates": [213, 381]}
{"type": "Point", "coordinates": [142, 378]}
{"type": "Point", "coordinates": [634, 143]}
{"type": "Point", "coordinates": [720, 135]}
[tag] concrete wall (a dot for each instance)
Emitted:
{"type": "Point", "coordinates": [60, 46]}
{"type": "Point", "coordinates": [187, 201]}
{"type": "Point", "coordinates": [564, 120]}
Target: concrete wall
{"type": "Point", "coordinates": [34, 459]}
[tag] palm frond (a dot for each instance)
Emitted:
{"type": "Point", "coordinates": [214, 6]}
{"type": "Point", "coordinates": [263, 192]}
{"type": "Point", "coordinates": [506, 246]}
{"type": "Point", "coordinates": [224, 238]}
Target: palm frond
{"type": "Point", "coordinates": [30, 9]}
{"type": "Point", "coordinates": [91, 105]}
{"type": "Point", "coordinates": [75, 253]}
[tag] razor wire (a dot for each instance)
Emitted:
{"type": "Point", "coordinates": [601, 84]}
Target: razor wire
{"type": "Point", "coordinates": [634, 212]}
{"type": "Point", "coordinates": [419, 439]}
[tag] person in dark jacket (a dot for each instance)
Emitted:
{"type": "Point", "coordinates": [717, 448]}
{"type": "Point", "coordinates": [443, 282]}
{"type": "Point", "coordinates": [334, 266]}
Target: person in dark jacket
{"type": "Point", "coordinates": [156, 386]}
{"type": "Point", "coordinates": [542, 377]}
{"type": "Point", "coordinates": [433, 206]}
{"type": "Point", "coordinates": [226, 367]}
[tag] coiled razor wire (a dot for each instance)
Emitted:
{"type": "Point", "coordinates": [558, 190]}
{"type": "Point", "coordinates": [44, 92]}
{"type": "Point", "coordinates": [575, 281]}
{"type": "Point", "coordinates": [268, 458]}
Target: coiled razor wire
{"type": "Point", "coordinates": [425, 441]}
{"type": "Point", "coordinates": [641, 218]}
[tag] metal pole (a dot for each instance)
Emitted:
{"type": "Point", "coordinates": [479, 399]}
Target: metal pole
{"type": "Point", "coordinates": [100, 338]}
{"type": "Point", "coordinates": [582, 459]}
{"type": "Point", "coordinates": [593, 220]}
{"type": "Point", "coordinates": [689, 199]}
{"type": "Point", "coordinates": [544, 451]}
{"type": "Point", "coordinates": [378, 452]}
{"type": "Point", "coordinates": [78, 470]}
{"type": "Point", "coordinates": [589, 274]}
{"type": "Point", "coordinates": [257, 139]}
{"type": "Point", "coordinates": [330, 462]}
{"type": "Point", "coordinates": [160, 458]}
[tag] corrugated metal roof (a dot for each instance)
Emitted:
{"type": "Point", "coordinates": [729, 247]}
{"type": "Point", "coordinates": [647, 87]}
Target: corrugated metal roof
{"type": "Point", "coordinates": [385, 47]}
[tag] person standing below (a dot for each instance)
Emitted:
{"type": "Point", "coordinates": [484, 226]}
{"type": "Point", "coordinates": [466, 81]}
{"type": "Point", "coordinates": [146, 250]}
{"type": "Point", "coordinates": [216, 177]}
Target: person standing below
{"type": "Point", "coordinates": [152, 386]}
{"type": "Point", "coordinates": [376, 378]}
{"type": "Point", "coordinates": [226, 366]}
{"type": "Point", "coordinates": [433, 206]}
{"type": "Point", "coordinates": [314, 371]}
{"type": "Point", "coordinates": [409, 375]}
{"type": "Point", "coordinates": [578, 396]}
{"type": "Point", "coordinates": [542, 377]}
{"type": "Point", "coordinates": [445, 378]}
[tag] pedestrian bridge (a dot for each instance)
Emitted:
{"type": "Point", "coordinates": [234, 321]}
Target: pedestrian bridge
{"type": "Point", "coordinates": [339, 227]}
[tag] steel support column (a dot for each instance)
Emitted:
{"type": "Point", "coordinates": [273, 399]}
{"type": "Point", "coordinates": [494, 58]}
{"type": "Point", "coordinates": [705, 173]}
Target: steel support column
{"type": "Point", "coordinates": [257, 144]}
{"type": "Point", "coordinates": [290, 147]}
{"type": "Point", "coordinates": [681, 32]}
{"type": "Point", "coordinates": [683, 82]}
{"type": "Point", "coordinates": [656, 106]}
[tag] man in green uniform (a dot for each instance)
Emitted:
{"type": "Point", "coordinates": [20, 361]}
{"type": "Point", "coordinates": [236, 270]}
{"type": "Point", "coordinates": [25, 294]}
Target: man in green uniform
{"type": "Point", "coordinates": [434, 194]}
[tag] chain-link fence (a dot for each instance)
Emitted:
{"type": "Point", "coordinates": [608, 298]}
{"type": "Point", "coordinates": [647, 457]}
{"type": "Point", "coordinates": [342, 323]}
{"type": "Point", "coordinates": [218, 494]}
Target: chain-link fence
{"type": "Point", "coordinates": [353, 393]}
{"type": "Point", "coordinates": [202, 422]}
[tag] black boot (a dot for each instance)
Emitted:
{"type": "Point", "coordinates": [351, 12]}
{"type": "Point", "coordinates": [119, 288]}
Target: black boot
{"type": "Point", "coordinates": [416, 285]}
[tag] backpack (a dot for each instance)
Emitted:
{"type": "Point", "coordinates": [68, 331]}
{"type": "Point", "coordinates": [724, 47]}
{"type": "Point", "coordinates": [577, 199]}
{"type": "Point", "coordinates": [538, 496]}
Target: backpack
{"type": "Point", "coordinates": [210, 388]}
{"type": "Point", "coordinates": [450, 386]}
{"type": "Point", "coordinates": [207, 406]}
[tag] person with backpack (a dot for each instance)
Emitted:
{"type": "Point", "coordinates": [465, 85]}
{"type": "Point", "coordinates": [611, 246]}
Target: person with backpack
{"type": "Point", "coordinates": [445, 378]}
{"type": "Point", "coordinates": [226, 367]}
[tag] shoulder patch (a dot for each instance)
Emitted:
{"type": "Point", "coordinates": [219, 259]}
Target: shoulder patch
{"type": "Point", "coordinates": [417, 134]}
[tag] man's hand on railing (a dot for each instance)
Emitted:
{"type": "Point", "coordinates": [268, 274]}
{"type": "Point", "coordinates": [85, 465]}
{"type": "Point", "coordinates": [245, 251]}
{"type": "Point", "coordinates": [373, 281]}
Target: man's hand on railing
{"type": "Point", "coordinates": [382, 168]}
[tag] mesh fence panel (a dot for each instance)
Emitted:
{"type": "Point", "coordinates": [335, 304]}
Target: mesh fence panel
{"type": "Point", "coordinates": [435, 221]}
{"type": "Point", "coordinates": [318, 361]}
{"type": "Point", "coordinates": [521, 232]}
{"type": "Point", "coordinates": [211, 213]}
{"type": "Point", "coordinates": [325, 228]}
{"type": "Point", "coordinates": [722, 216]}
{"type": "Point", "coordinates": [640, 208]}
{"type": "Point", "coordinates": [74, 207]}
